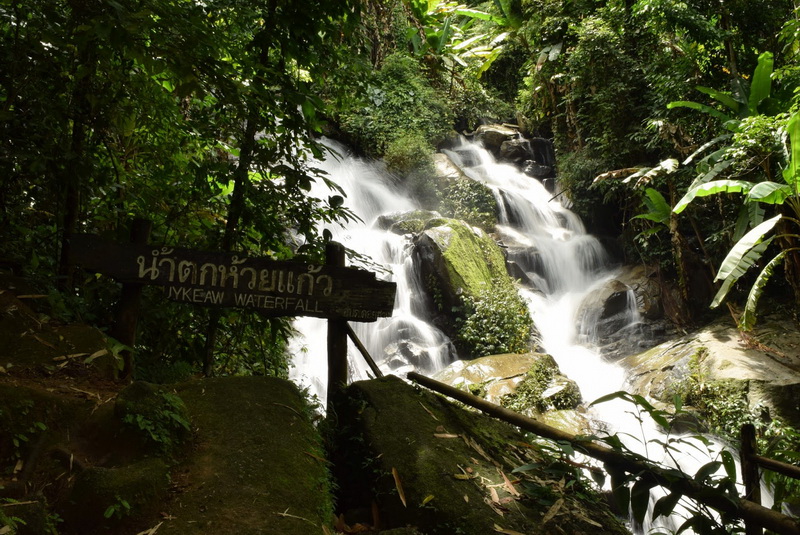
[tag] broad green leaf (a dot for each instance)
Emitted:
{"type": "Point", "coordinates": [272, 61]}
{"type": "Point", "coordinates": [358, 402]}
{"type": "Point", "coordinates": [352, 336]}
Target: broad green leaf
{"type": "Point", "coordinates": [748, 319]}
{"type": "Point", "coordinates": [727, 284]}
{"type": "Point", "coordinates": [665, 505]}
{"type": "Point", "coordinates": [622, 496]}
{"type": "Point", "coordinates": [729, 463]}
{"type": "Point", "coordinates": [747, 251]}
{"type": "Point", "coordinates": [792, 173]}
{"type": "Point", "coordinates": [700, 107]}
{"type": "Point", "coordinates": [751, 214]}
{"type": "Point", "coordinates": [640, 499]}
{"type": "Point", "coordinates": [707, 470]}
{"type": "Point", "coordinates": [468, 42]}
{"type": "Point", "coordinates": [482, 15]}
{"type": "Point", "coordinates": [769, 192]}
{"type": "Point", "coordinates": [698, 523]}
{"type": "Point", "coordinates": [711, 188]}
{"type": "Point", "coordinates": [761, 84]}
{"type": "Point", "coordinates": [713, 172]}
{"type": "Point", "coordinates": [720, 96]}
{"type": "Point", "coordinates": [658, 208]}
{"type": "Point", "coordinates": [620, 394]}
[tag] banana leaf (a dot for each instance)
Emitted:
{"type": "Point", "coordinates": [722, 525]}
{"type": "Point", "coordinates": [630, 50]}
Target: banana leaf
{"type": "Point", "coordinates": [712, 173]}
{"type": "Point", "coordinates": [722, 97]}
{"type": "Point", "coordinates": [748, 319]}
{"type": "Point", "coordinates": [658, 208]}
{"type": "Point", "coordinates": [769, 192]}
{"type": "Point", "coordinates": [751, 214]}
{"type": "Point", "coordinates": [705, 147]}
{"type": "Point", "coordinates": [711, 188]}
{"type": "Point", "coordinates": [700, 107]}
{"type": "Point", "coordinates": [792, 173]}
{"type": "Point", "coordinates": [747, 251]}
{"type": "Point", "coordinates": [761, 85]}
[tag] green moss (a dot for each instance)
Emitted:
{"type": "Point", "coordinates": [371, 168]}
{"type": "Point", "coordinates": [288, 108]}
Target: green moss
{"type": "Point", "coordinates": [472, 259]}
{"type": "Point", "coordinates": [543, 375]}
{"type": "Point", "coordinates": [449, 461]}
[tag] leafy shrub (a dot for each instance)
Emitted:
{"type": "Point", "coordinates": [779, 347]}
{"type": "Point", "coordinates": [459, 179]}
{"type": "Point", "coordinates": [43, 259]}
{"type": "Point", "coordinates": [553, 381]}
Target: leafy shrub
{"type": "Point", "coordinates": [471, 201]}
{"type": "Point", "coordinates": [495, 321]}
{"type": "Point", "coordinates": [408, 153]}
{"type": "Point", "coordinates": [157, 416]}
{"type": "Point", "coordinates": [528, 393]}
{"type": "Point", "coordinates": [397, 100]}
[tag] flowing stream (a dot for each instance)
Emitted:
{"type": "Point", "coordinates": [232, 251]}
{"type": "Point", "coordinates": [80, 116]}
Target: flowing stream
{"type": "Point", "coordinates": [564, 263]}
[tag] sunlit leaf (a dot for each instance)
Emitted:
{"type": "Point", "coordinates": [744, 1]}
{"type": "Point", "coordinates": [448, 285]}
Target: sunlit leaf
{"type": "Point", "coordinates": [748, 319]}
{"type": "Point", "coordinates": [792, 173]}
{"type": "Point", "coordinates": [746, 252]}
{"type": "Point", "coordinates": [770, 192]}
{"type": "Point", "coordinates": [761, 84]}
{"type": "Point", "coordinates": [712, 188]}
{"type": "Point", "coordinates": [700, 107]}
{"type": "Point", "coordinates": [722, 97]}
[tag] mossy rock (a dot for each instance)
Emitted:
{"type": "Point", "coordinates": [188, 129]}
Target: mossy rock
{"type": "Point", "coordinates": [406, 222]}
{"type": "Point", "coordinates": [429, 464]}
{"type": "Point", "coordinates": [257, 466]}
{"type": "Point", "coordinates": [530, 383]}
{"type": "Point", "coordinates": [459, 263]}
{"type": "Point", "coordinates": [105, 497]}
{"type": "Point", "coordinates": [33, 418]}
{"type": "Point", "coordinates": [153, 416]}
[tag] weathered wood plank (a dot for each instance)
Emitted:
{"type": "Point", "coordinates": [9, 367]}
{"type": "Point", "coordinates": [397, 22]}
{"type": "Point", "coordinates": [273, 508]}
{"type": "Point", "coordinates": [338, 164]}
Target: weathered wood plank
{"type": "Point", "coordinates": [274, 288]}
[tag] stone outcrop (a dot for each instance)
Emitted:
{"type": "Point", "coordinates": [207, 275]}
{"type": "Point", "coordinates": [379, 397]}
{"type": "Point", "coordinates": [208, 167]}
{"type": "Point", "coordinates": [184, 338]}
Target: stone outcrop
{"type": "Point", "coordinates": [530, 383]}
{"type": "Point", "coordinates": [458, 260]}
{"type": "Point", "coordinates": [766, 372]}
{"type": "Point", "coordinates": [409, 458]}
{"type": "Point", "coordinates": [625, 313]}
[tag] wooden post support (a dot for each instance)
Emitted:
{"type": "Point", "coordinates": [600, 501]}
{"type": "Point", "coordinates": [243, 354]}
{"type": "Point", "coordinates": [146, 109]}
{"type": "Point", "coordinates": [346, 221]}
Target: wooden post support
{"type": "Point", "coordinates": [337, 337]}
{"type": "Point", "coordinates": [124, 329]}
{"type": "Point", "coordinates": [363, 350]}
{"type": "Point", "coordinates": [750, 472]}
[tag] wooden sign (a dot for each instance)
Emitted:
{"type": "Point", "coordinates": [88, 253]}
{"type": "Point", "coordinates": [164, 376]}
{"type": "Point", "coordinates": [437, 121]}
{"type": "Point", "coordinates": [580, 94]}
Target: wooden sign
{"type": "Point", "coordinates": [274, 288]}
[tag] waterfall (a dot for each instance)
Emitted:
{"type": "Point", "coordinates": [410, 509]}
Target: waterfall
{"type": "Point", "coordinates": [563, 262]}
{"type": "Point", "coordinates": [402, 343]}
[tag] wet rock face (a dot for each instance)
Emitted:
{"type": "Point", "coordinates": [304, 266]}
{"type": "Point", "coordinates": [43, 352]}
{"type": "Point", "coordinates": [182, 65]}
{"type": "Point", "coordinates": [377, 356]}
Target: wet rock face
{"type": "Point", "coordinates": [767, 377]}
{"type": "Point", "coordinates": [626, 314]}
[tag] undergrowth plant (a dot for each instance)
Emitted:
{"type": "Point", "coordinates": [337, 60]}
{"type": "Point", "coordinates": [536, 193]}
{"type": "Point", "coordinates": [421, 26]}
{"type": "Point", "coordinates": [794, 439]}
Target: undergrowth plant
{"type": "Point", "coordinates": [495, 321]}
{"type": "Point", "coordinates": [633, 491]}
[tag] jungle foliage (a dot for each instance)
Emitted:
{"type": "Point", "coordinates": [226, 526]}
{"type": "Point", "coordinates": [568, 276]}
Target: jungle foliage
{"type": "Point", "coordinates": [198, 116]}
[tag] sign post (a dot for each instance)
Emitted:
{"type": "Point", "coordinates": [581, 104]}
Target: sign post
{"type": "Point", "coordinates": [337, 337]}
{"type": "Point", "coordinates": [273, 288]}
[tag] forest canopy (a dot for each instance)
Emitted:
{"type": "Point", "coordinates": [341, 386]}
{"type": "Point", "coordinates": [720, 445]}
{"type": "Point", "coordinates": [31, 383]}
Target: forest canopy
{"type": "Point", "coordinates": [205, 118]}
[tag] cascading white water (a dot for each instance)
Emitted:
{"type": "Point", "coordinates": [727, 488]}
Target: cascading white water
{"type": "Point", "coordinates": [564, 263]}
{"type": "Point", "coordinates": [401, 343]}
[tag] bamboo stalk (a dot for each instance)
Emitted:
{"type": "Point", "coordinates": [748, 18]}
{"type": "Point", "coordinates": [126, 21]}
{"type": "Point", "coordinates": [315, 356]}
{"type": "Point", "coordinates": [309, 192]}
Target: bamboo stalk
{"type": "Point", "coordinates": [747, 511]}
{"type": "Point", "coordinates": [363, 350]}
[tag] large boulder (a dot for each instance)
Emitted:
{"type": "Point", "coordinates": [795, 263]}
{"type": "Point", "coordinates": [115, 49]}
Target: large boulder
{"type": "Point", "coordinates": [624, 314]}
{"type": "Point", "coordinates": [530, 383]}
{"type": "Point", "coordinates": [258, 466]}
{"type": "Point", "coordinates": [492, 136]}
{"type": "Point", "coordinates": [410, 458]}
{"type": "Point", "coordinates": [458, 260]}
{"type": "Point", "coordinates": [766, 372]}
{"type": "Point", "coordinates": [474, 300]}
